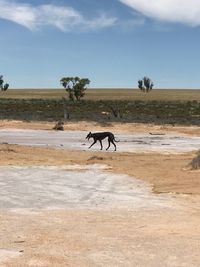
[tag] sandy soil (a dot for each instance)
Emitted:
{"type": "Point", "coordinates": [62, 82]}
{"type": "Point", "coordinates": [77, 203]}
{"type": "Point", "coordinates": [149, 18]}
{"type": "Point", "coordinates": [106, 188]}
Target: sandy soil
{"type": "Point", "coordinates": [92, 126]}
{"type": "Point", "coordinates": [117, 237]}
{"type": "Point", "coordinates": [165, 172]}
{"type": "Point", "coordinates": [92, 238]}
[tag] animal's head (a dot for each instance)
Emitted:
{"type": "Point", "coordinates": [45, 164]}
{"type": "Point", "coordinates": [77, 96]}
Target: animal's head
{"type": "Point", "coordinates": [89, 135]}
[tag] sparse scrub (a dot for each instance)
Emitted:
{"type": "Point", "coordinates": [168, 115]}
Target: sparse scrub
{"type": "Point", "coordinates": [116, 111]}
{"type": "Point", "coordinates": [195, 163]}
{"type": "Point", "coordinates": [158, 112]}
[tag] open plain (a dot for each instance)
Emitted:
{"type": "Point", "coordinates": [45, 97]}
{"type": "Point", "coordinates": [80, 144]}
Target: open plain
{"type": "Point", "coordinates": [62, 204]}
{"type": "Point", "coordinates": [65, 205]}
{"type": "Point", "coordinates": [100, 133]}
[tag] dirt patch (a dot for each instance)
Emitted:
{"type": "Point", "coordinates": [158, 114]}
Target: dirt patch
{"type": "Point", "coordinates": [114, 237]}
{"type": "Point", "coordinates": [166, 173]}
{"type": "Point", "coordinates": [107, 238]}
{"type": "Point", "coordinates": [116, 127]}
{"type": "Point", "coordinates": [6, 255]}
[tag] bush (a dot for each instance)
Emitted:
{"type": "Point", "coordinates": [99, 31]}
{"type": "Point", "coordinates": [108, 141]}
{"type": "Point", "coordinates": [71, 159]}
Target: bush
{"type": "Point", "coordinates": [195, 163]}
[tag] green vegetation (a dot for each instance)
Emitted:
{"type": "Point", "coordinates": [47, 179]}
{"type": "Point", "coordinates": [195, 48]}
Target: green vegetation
{"type": "Point", "coordinates": [159, 112]}
{"type": "Point", "coordinates": [104, 106]}
{"type": "Point", "coordinates": [75, 87]}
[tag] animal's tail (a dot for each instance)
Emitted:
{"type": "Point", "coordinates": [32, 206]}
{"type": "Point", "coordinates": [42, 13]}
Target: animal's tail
{"type": "Point", "coordinates": [116, 140]}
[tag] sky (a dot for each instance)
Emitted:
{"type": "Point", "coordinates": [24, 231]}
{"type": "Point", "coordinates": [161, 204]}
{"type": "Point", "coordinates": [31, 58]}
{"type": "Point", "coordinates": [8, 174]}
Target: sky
{"type": "Point", "coordinates": [114, 43]}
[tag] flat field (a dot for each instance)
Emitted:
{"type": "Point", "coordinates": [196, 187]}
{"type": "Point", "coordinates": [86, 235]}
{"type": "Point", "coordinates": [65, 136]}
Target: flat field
{"type": "Point", "coordinates": [107, 94]}
{"type": "Point", "coordinates": [59, 208]}
{"type": "Point", "coordinates": [64, 205]}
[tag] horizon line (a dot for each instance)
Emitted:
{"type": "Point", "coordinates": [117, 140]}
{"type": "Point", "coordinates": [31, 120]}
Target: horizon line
{"type": "Point", "coordinates": [101, 88]}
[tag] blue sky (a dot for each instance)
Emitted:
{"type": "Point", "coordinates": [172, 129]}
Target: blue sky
{"type": "Point", "coordinates": [112, 42]}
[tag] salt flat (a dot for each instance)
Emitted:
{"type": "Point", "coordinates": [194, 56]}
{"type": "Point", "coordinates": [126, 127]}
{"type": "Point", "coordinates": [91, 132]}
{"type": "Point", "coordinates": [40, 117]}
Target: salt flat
{"type": "Point", "coordinates": [38, 187]}
{"type": "Point", "coordinates": [75, 140]}
{"type": "Point", "coordinates": [72, 215]}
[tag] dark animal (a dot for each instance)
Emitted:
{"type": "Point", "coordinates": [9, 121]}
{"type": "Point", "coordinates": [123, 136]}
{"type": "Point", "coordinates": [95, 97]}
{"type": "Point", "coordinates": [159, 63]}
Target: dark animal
{"type": "Point", "coordinates": [100, 136]}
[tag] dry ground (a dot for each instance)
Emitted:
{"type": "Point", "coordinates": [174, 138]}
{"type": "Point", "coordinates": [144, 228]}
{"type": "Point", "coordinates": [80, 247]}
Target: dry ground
{"type": "Point", "coordinates": [166, 173]}
{"type": "Point", "coordinates": [112, 238]}
{"type": "Point", "coordinates": [92, 238]}
{"type": "Point", "coordinates": [115, 127]}
{"type": "Point", "coordinates": [107, 94]}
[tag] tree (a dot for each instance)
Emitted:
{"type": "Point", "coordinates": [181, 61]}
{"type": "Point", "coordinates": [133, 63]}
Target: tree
{"type": "Point", "coordinates": [145, 85]}
{"type": "Point", "coordinates": [3, 86]}
{"type": "Point", "coordinates": [75, 86]}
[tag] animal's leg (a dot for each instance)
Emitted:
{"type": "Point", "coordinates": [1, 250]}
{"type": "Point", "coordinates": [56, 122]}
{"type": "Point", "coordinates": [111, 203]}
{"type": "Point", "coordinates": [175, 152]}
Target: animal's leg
{"type": "Point", "coordinates": [101, 144]}
{"type": "Point", "coordinates": [113, 144]}
{"type": "Point", "coordinates": [93, 143]}
{"type": "Point", "coordinates": [108, 144]}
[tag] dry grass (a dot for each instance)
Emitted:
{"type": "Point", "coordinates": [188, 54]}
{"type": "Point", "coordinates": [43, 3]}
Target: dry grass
{"type": "Point", "coordinates": [195, 163]}
{"type": "Point", "coordinates": [107, 94]}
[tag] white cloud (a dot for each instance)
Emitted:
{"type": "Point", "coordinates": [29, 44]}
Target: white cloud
{"type": "Point", "coordinates": [62, 17]}
{"type": "Point", "coordinates": [181, 11]}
